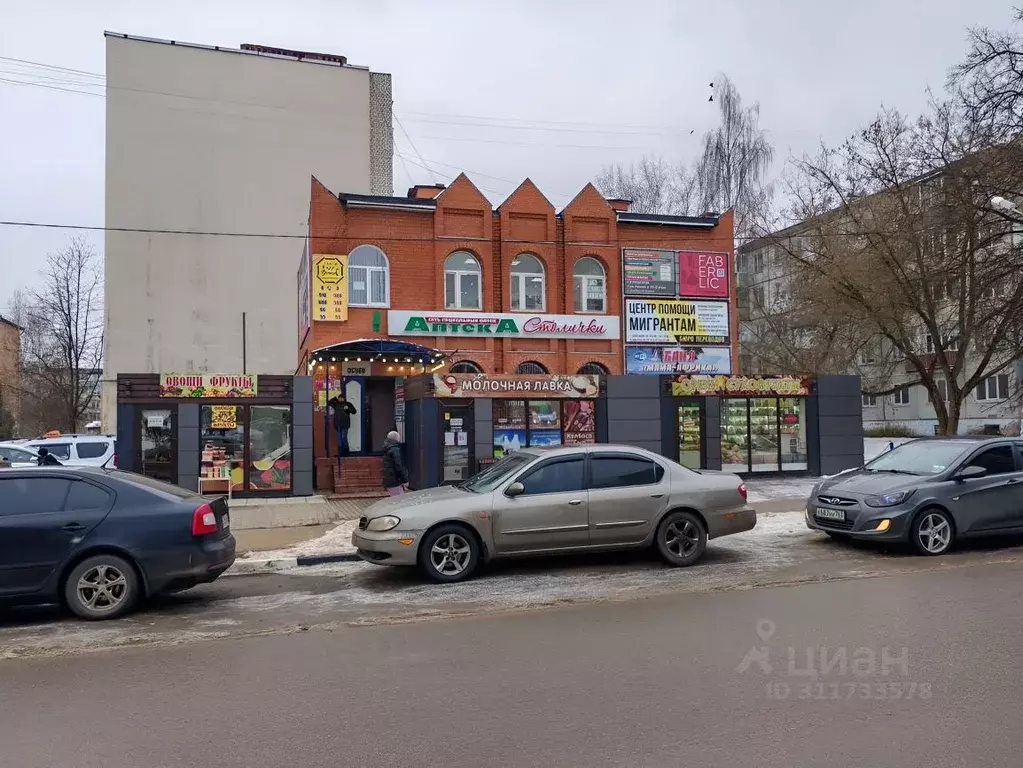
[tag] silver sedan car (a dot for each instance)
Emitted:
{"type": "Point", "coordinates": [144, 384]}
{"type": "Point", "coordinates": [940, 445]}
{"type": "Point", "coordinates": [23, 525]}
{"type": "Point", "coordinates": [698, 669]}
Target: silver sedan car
{"type": "Point", "coordinates": [570, 499]}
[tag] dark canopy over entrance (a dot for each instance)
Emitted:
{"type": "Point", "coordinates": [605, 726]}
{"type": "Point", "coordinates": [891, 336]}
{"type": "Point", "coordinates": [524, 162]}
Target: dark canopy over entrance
{"type": "Point", "coordinates": [378, 351]}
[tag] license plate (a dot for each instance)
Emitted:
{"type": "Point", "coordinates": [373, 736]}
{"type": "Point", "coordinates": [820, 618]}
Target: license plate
{"type": "Point", "coordinates": [225, 522]}
{"type": "Point", "coordinates": [830, 514]}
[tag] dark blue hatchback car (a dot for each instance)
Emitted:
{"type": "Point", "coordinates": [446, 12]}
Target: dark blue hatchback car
{"type": "Point", "coordinates": [98, 541]}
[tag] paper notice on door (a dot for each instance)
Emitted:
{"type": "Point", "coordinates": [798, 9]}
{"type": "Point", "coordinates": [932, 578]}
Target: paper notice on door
{"type": "Point", "coordinates": [449, 438]}
{"type": "Point", "coordinates": [463, 438]}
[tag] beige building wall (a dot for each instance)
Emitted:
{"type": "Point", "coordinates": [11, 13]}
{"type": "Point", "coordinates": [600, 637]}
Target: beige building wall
{"type": "Point", "coordinates": [222, 141]}
{"type": "Point", "coordinates": [10, 367]}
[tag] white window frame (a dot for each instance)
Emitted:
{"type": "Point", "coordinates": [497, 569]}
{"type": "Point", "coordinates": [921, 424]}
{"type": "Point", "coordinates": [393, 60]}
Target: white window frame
{"type": "Point", "coordinates": [901, 396]}
{"type": "Point", "coordinates": [992, 383]}
{"type": "Point", "coordinates": [585, 280]}
{"type": "Point", "coordinates": [521, 278]}
{"type": "Point", "coordinates": [869, 401]}
{"type": "Point", "coordinates": [458, 275]}
{"type": "Point", "coordinates": [367, 275]}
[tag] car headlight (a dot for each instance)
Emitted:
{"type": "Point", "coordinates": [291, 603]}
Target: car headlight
{"type": "Point", "coordinates": [385, 523]}
{"type": "Point", "coordinates": [888, 499]}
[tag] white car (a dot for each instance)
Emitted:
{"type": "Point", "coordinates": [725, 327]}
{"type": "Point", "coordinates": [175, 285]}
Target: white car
{"type": "Point", "coordinates": [18, 454]}
{"type": "Point", "coordinates": [79, 450]}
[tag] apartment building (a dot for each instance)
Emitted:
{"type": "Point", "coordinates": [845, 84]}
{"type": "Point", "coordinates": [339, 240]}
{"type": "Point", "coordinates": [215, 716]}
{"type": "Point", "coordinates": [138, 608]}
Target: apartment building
{"type": "Point", "coordinates": [222, 141]}
{"type": "Point", "coordinates": [772, 327]}
{"type": "Point", "coordinates": [10, 366]}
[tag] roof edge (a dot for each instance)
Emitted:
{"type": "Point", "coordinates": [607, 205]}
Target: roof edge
{"type": "Point", "coordinates": [238, 51]}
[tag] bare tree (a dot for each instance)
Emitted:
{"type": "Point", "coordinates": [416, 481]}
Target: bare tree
{"type": "Point", "coordinates": [653, 185]}
{"type": "Point", "coordinates": [737, 157]}
{"type": "Point", "coordinates": [919, 252]}
{"type": "Point", "coordinates": [7, 425]}
{"type": "Point", "coordinates": [989, 83]}
{"type": "Point", "coordinates": [62, 342]}
{"type": "Point", "coordinates": [730, 174]}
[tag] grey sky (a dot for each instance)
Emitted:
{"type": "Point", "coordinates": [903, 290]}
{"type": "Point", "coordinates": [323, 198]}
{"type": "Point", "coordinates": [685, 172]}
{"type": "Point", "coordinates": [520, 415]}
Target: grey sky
{"type": "Point", "coordinates": [611, 80]}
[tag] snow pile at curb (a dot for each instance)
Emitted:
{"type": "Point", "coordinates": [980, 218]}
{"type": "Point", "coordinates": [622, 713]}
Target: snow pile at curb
{"type": "Point", "coordinates": [336, 541]}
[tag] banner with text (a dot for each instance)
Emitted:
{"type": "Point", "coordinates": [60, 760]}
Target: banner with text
{"type": "Point", "coordinates": [519, 324]}
{"type": "Point", "coordinates": [703, 275]}
{"type": "Point", "coordinates": [330, 287]}
{"type": "Point", "coordinates": [749, 386]}
{"type": "Point", "coordinates": [661, 360]}
{"type": "Point", "coordinates": [501, 385]}
{"type": "Point", "coordinates": [649, 273]}
{"type": "Point", "coordinates": [207, 385]}
{"type": "Point", "coordinates": [676, 322]}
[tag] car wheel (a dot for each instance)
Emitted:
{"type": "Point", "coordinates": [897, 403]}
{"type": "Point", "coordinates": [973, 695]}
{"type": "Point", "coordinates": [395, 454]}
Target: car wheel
{"type": "Point", "coordinates": [932, 532]}
{"type": "Point", "coordinates": [101, 587]}
{"type": "Point", "coordinates": [449, 553]}
{"type": "Point", "coordinates": [681, 538]}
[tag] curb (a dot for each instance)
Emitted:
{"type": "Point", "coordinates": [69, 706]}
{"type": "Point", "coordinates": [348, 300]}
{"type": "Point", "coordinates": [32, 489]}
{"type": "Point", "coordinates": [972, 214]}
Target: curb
{"type": "Point", "coordinates": [246, 567]}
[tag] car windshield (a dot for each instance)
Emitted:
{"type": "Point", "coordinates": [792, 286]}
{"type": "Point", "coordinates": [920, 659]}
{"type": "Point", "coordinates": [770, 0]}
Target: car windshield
{"type": "Point", "coordinates": [492, 476]}
{"type": "Point", "coordinates": [919, 457]}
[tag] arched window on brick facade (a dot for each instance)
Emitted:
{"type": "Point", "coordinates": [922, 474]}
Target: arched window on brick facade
{"type": "Point", "coordinates": [465, 366]}
{"type": "Point", "coordinates": [593, 369]}
{"type": "Point", "coordinates": [589, 286]}
{"type": "Point", "coordinates": [462, 282]}
{"type": "Point", "coordinates": [528, 284]}
{"type": "Point", "coordinates": [531, 368]}
{"type": "Point", "coordinates": [369, 277]}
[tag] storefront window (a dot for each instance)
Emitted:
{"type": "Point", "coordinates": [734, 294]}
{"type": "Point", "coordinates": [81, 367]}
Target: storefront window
{"type": "Point", "coordinates": [542, 423]}
{"type": "Point", "coordinates": [689, 434]}
{"type": "Point", "coordinates": [793, 434]}
{"type": "Point", "coordinates": [580, 422]}
{"type": "Point", "coordinates": [734, 435]}
{"type": "Point", "coordinates": [222, 440]}
{"type": "Point", "coordinates": [770, 438]}
{"type": "Point", "coordinates": [269, 448]}
{"type": "Point", "coordinates": [509, 426]}
{"type": "Point", "coordinates": [763, 422]}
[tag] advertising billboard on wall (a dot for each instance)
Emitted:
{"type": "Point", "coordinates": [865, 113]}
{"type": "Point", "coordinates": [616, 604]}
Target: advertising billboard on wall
{"type": "Point", "coordinates": [649, 273]}
{"type": "Point", "coordinates": [676, 322]}
{"type": "Point", "coordinates": [330, 282]}
{"type": "Point", "coordinates": [674, 360]}
{"type": "Point", "coordinates": [704, 275]}
{"type": "Point", "coordinates": [507, 325]}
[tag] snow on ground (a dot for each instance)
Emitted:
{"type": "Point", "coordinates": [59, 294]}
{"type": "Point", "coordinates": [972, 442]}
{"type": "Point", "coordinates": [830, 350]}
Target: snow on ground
{"type": "Point", "coordinates": [336, 541]}
{"type": "Point", "coordinates": [758, 491]}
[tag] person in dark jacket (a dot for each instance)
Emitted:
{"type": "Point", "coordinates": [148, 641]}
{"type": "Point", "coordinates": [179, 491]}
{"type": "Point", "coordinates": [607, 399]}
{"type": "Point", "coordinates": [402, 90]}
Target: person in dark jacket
{"type": "Point", "coordinates": [47, 459]}
{"type": "Point", "coordinates": [343, 412]}
{"type": "Point", "coordinates": [395, 474]}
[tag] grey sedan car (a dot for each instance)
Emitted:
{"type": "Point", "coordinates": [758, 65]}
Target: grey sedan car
{"type": "Point", "coordinates": [570, 499]}
{"type": "Point", "coordinates": [927, 492]}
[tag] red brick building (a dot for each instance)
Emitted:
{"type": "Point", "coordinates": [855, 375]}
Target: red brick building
{"type": "Point", "coordinates": [582, 245]}
{"type": "Point", "coordinates": [522, 288]}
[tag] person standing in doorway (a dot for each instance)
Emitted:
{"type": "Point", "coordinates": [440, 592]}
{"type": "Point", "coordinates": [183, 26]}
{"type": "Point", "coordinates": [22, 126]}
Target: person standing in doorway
{"type": "Point", "coordinates": [343, 412]}
{"type": "Point", "coordinates": [395, 475]}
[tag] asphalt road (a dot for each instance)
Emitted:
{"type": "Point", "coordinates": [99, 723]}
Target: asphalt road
{"type": "Point", "coordinates": [933, 680]}
{"type": "Point", "coordinates": [783, 551]}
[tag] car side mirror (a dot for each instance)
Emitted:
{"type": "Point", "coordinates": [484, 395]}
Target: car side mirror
{"type": "Point", "coordinates": [971, 472]}
{"type": "Point", "coordinates": [514, 490]}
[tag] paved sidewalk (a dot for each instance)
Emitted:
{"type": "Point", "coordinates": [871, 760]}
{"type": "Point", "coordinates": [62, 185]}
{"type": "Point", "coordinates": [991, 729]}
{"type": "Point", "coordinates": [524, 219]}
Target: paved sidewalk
{"type": "Point", "coordinates": [264, 539]}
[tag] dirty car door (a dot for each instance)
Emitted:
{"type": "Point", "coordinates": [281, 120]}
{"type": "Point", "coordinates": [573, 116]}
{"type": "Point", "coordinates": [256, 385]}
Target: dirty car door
{"type": "Point", "coordinates": [551, 513]}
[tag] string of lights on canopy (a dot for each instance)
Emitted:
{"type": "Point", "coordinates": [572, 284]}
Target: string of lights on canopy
{"type": "Point", "coordinates": [401, 354]}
